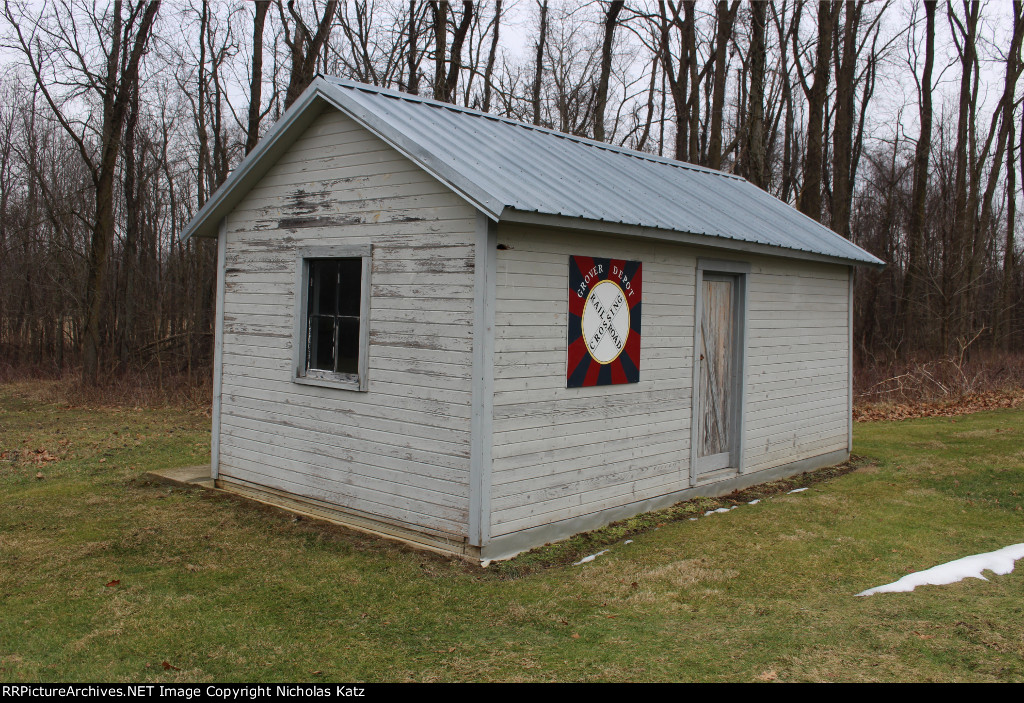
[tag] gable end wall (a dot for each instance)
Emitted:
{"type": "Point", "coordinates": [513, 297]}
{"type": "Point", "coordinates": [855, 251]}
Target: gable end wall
{"type": "Point", "coordinates": [399, 453]}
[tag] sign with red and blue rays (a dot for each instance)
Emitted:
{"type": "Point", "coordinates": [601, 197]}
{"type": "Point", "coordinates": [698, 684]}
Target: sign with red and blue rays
{"type": "Point", "coordinates": [604, 321]}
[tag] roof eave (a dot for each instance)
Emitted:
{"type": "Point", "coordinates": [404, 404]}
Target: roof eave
{"type": "Point", "coordinates": [513, 216]}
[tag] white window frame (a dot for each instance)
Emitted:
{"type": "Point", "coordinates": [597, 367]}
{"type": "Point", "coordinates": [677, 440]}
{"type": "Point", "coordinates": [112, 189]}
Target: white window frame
{"type": "Point", "coordinates": [314, 377]}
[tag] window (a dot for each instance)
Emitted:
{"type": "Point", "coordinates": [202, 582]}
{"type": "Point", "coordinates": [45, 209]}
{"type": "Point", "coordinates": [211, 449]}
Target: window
{"type": "Point", "coordinates": [332, 317]}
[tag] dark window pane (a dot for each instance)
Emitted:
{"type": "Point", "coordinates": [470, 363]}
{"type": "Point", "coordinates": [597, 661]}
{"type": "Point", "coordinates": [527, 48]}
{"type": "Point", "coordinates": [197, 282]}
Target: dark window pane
{"type": "Point", "coordinates": [325, 275]}
{"type": "Point", "coordinates": [348, 345]}
{"type": "Point", "coordinates": [322, 343]}
{"type": "Point", "coordinates": [350, 284]}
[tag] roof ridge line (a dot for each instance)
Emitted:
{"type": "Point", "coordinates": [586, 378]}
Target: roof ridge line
{"type": "Point", "coordinates": [633, 153]}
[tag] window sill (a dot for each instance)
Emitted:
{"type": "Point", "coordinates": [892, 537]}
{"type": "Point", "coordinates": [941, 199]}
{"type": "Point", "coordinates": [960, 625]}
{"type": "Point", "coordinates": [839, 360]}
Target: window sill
{"type": "Point", "coordinates": [347, 382]}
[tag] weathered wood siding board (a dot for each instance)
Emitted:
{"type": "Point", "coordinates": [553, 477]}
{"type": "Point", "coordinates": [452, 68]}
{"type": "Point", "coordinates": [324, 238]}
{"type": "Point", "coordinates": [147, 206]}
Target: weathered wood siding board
{"type": "Point", "coordinates": [797, 373]}
{"type": "Point", "coordinates": [412, 514]}
{"type": "Point", "coordinates": [410, 431]}
{"type": "Point", "coordinates": [399, 451]}
{"type": "Point", "coordinates": [562, 452]}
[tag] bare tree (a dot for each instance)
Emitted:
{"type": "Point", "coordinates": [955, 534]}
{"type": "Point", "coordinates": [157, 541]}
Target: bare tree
{"type": "Point", "coordinates": [725, 15]}
{"type": "Point", "coordinates": [52, 46]}
{"type": "Point", "coordinates": [491, 55]}
{"type": "Point", "coordinates": [754, 164]}
{"type": "Point", "coordinates": [255, 116]}
{"type": "Point", "coordinates": [304, 45]}
{"type": "Point", "coordinates": [538, 71]}
{"type": "Point", "coordinates": [809, 202]}
{"type": "Point", "coordinates": [611, 20]}
{"type": "Point", "coordinates": [912, 290]}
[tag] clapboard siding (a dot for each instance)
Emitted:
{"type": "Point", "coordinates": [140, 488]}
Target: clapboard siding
{"type": "Point", "coordinates": [399, 451]}
{"type": "Point", "coordinates": [797, 362]}
{"type": "Point", "coordinates": [565, 452]}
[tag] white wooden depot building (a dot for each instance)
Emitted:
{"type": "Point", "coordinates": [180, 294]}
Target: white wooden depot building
{"type": "Point", "coordinates": [479, 336]}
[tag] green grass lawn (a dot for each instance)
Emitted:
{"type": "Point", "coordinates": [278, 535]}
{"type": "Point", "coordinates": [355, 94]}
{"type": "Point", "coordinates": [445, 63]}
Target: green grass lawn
{"type": "Point", "coordinates": [105, 576]}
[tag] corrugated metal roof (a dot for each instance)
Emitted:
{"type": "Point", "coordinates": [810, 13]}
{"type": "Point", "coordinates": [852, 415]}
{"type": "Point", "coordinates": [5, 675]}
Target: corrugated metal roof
{"type": "Point", "coordinates": [506, 167]}
{"type": "Point", "coordinates": [501, 163]}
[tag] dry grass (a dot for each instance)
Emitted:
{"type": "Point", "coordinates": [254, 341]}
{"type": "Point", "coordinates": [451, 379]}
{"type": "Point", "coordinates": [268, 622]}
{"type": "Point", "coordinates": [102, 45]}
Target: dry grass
{"type": "Point", "coordinates": [128, 389]}
{"type": "Point", "coordinates": [946, 387]}
{"type": "Point", "coordinates": [939, 380]}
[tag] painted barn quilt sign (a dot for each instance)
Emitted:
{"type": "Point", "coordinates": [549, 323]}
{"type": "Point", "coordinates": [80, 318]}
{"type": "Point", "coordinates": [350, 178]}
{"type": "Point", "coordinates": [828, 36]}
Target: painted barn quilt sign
{"type": "Point", "coordinates": [604, 321]}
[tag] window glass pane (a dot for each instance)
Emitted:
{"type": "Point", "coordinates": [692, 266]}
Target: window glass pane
{"type": "Point", "coordinates": [323, 276]}
{"type": "Point", "coordinates": [348, 345]}
{"type": "Point", "coordinates": [321, 343]}
{"type": "Point", "coordinates": [350, 284]}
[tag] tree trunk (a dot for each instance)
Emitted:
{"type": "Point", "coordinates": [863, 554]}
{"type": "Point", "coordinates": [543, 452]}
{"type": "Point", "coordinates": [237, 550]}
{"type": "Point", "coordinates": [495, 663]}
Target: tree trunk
{"type": "Point", "coordinates": [693, 103]}
{"type": "Point", "coordinates": [810, 194]}
{"type": "Point", "coordinates": [305, 48]}
{"type": "Point", "coordinates": [956, 280]}
{"type": "Point", "coordinates": [913, 291]}
{"type": "Point", "coordinates": [611, 20]}
{"type": "Point", "coordinates": [538, 71]}
{"type": "Point", "coordinates": [489, 70]}
{"type": "Point", "coordinates": [455, 58]}
{"type": "Point", "coordinates": [755, 164]}
{"type": "Point", "coordinates": [252, 132]}
{"type": "Point", "coordinates": [122, 70]}
{"type": "Point", "coordinates": [440, 11]}
{"type": "Point", "coordinates": [677, 82]}
{"type": "Point", "coordinates": [842, 133]}
{"type": "Point", "coordinates": [725, 14]}
{"type": "Point", "coordinates": [1004, 314]}
{"type": "Point", "coordinates": [412, 55]}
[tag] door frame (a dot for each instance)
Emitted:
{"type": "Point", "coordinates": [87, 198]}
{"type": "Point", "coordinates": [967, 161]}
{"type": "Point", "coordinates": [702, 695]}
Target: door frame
{"type": "Point", "coordinates": [740, 271]}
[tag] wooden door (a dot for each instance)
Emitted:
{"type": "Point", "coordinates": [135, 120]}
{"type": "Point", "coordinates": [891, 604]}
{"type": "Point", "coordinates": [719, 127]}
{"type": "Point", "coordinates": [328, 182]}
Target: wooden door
{"type": "Point", "coordinates": [717, 377]}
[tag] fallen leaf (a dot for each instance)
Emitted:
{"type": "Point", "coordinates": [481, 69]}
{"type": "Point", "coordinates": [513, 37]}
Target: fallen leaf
{"type": "Point", "coordinates": [575, 636]}
{"type": "Point", "coordinates": [115, 582]}
{"type": "Point", "coordinates": [167, 666]}
{"type": "Point", "coordinates": [768, 676]}
{"type": "Point", "coordinates": [39, 475]}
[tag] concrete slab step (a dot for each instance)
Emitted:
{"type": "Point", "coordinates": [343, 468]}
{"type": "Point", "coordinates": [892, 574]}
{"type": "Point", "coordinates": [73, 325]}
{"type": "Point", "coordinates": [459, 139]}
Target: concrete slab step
{"type": "Point", "coordinates": [184, 476]}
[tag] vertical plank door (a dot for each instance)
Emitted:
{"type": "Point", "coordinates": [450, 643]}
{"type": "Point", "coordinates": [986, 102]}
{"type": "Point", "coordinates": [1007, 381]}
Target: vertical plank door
{"type": "Point", "coordinates": [717, 372]}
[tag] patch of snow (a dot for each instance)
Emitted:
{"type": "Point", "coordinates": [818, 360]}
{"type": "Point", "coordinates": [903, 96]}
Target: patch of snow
{"type": "Point", "coordinates": [584, 560]}
{"type": "Point", "coordinates": [693, 519]}
{"type": "Point", "coordinates": [797, 490]}
{"type": "Point", "coordinates": [628, 541]}
{"type": "Point", "coordinates": [720, 510]}
{"type": "Point", "coordinates": [998, 562]}
{"type": "Point", "coordinates": [754, 502]}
